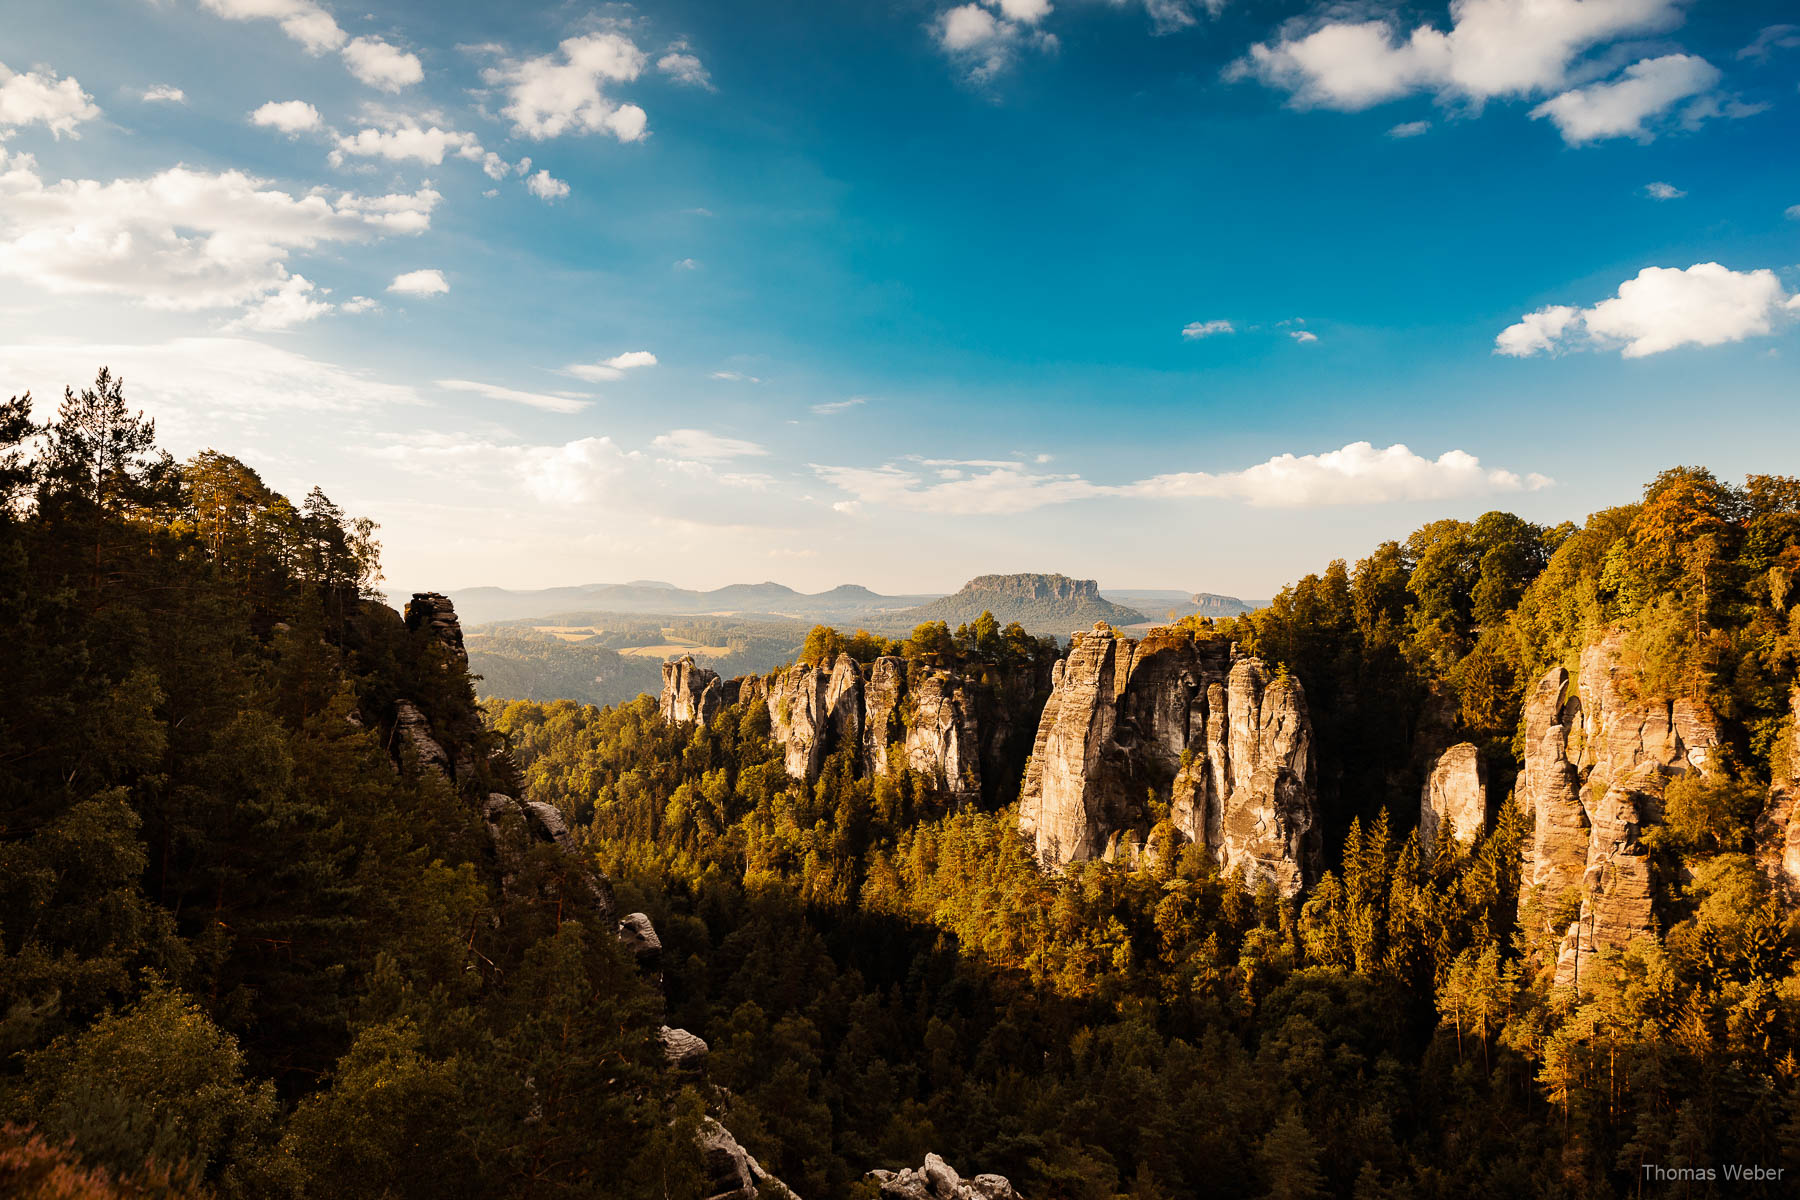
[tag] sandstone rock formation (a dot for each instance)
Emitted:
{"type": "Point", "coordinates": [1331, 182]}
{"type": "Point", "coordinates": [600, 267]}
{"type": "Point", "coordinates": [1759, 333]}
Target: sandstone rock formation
{"type": "Point", "coordinates": [1455, 795]}
{"type": "Point", "coordinates": [413, 731]}
{"type": "Point", "coordinates": [729, 1170]}
{"type": "Point", "coordinates": [683, 1050]}
{"type": "Point", "coordinates": [1233, 746]}
{"type": "Point", "coordinates": [957, 729]}
{"type": "Point", "coordinates": [1778, 831]}
{"type": "Point", "coordinates": [1597, 762]}
{"type": "Point", "coordinates": [691, 694]}
{"type": "Point", "coordinates": [435, 614]}
{"type": "Point", "coordinates": [938, 1180]}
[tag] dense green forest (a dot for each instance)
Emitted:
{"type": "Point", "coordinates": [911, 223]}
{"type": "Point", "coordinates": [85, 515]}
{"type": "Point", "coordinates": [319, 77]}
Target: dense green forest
{"type": "Point", "coordinates": [881, 976]}
{"type": "Point", "coordinates": [250, 945]}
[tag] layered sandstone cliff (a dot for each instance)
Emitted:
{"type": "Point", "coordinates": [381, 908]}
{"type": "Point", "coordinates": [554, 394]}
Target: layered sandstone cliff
{"type": "Point", "coordinates": [957, 727]}
{"type": "Point", "coordinates": [1778, 832]}
{"type": "Point", "coordinates": [1232, 746]}
{"type": "Point", "coordinates": [1598, 757]}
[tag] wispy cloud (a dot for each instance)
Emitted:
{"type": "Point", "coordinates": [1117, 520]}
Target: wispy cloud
{"type": "Point", "coordinates": [549, 402]}
{"type": "Point", "coordinates": [707, 447]}
{"type": "Point", "coordinates": [832, 407]}
{"type": "Point", "coordinates": [612, 368]}
{"type": "Point", "coordinates": [1195, 330]}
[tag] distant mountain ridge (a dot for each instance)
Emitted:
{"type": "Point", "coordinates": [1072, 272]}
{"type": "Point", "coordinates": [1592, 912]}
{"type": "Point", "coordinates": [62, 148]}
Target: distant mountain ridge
{"type": "Point", "coordinates": [852, 602]}
{"type": "Point", "coordinates": [1041, 603]}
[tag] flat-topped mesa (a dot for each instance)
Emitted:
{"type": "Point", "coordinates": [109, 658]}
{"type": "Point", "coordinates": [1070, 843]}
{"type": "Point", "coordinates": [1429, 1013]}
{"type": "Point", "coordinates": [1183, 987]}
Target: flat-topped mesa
{"type": "Point", "coordinates": [1597, 761]}
{"type": "Point", "coordinates": [1195, 718]}
{"type": "Point", "coordinates": [691, 694]}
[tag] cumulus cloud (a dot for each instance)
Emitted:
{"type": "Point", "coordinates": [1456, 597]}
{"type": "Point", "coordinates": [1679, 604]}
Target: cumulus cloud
{"type": "Point", "coordinates": [428, 282]}
{"type": "Point", "coordinates": [356, 305]}
{"type": "Point", "coordinates": [163, 93]}
{"type": "Point", "coordinates": [289, 116]}
{"type": "Point", "coordinates": [1356, 474]}
{"type": "Point", "coordinates": [295, 302]}
{"type": "Point", "coordinates": [704, 446]}
{"type": "Point", "coordinates": [1662, 308]}
{"type": "Point", "coordinates": [1493, 49]}
{"type": "Point", "coordinates": [1663, 191]}
{"type": "Point", "coordinates": [1303, 336]}
{"type": "Point", "coordinates": [370, 59]}
{"type": "Point", "coordinates": [984, 38]}
{"type": "Point", "coordinates": [546, 186]}
{"type": "Point", "coordinates": [181, 239]}
{"type": "Point", "coordinates": [382, 66]}
{"type": "Point", "coordinates": [557, 402]}
{"type": "Point", "coordinates": [409, 143]}
{"type": "Point", "coordinates": [40, 98]}
{"type": "Point", "coordinates": [683, 66]}
{"type": "Point", "coordinates": [612, 368]}
{"type": "Point", "coordinates": [1619, 107]}
{"type": "Point", "coordinates": [1195, 330]}
{"type": "Point", "coordinates": [564, 92]}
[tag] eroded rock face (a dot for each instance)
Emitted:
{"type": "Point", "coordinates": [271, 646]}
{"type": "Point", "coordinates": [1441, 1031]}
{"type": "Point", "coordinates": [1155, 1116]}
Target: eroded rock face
{"type": "Point", "coordinates": [1232, 745]}
{"type": "Point", "coordinates": [940, 736]}
{"type": "Point", "coordinates": [691, 694]}
{"type": "Point", "coordinates": [683, 1050]}
{"type": "Point", "coordinates": [434, 613]}
{"type": "Point", "coordinates": [1455, 796]}
{"type": "Point", "coordinates": [731, 1172]}
{"type": "Point", "coordinates": [1596, 765]}
{"type": "Point", "coordinates": [414, 731]}
{"type": "Point", "coordinates": [800, 717]}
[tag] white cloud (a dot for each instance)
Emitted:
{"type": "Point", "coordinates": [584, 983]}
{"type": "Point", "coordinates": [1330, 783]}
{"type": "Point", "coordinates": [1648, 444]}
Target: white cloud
{"type": "Point", "coordinates": [832, 407]}
{"type": "Point", "coordinates": [1493, 49]}
{"type": "Point", "coordinates": [1773, 37]}
{"type": "Point", "coordinates": [984, 44]}
{"type": "Point", "coordinates": [289, 116]}
{"type": "Point", "coordinates": [612, 368]}
{"type": "Point", "coordinates": [1663, 191]}
{"type": "Point", "coordinates": [295, 302]}
{"type": "Point", "coordinates": [409, 143]}
{"type": "Point", "coordinates": [1409, 129]}
{"type": "Point", "coordinates": [546, 186]}
{"type": "Point", "coordinates": [684, 67]}
{"type": "Point", "coordinates": [735, 377]}
{"type": "Point", "coordinates": [1793, 212]}
{"type": "Point", "coordinates": [704, 446]}
{"type": "Point", "coordinates": [1303, 336]}
{"type": "Point", "coordinates": [687, 264]}
{"type": "Point", "coordinates": [1357, 474]}
{"type": "Point", "coordinates": [428, 282]}
{"type": "Point", "coordinates": [356, 305]}
{"type": "Point", "coordinates": [1195, 330]}
{"type": "Point", "coordinates": [563, 92]}
{"type": "Point", "coordinates": [549, 402]}
{"type": "Point", "coordinates": [1663, 308]}
{"type": "Point", "coordinates": [163, 93]}
{"type": "Point", "coordinates": [36, 98]}
{"type": "Point", "coordinates": [302, 20]}
{"type": "Point", "coordinates": [1619, 107]}
{"type": "Point", "coordinates": [180, 239]}
{"type": "Point", "coordinates": [381, 65]}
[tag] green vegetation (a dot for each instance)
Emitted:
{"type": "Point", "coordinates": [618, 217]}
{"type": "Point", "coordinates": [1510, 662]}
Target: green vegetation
{"type": "Point", "coordinates": [242, 955]}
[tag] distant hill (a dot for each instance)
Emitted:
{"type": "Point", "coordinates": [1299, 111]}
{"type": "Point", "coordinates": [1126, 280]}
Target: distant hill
{"type": "Point", "coordinates": [1041, 603]}
{"type": "Point", "coordinates": [1165, 604]}
{"type": "Point", "coordinates": [848, 602]}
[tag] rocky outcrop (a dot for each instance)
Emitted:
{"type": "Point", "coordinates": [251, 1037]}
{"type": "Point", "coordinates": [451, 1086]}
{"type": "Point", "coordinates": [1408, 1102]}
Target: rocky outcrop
{"type": "Point", "coordinates": [1455, 797]}
{"type": "Point", "coordinates": [938, 1180]}
{"type": "Point", "coordinates": [691, 694]}
{"type": "Point", "coordinates": [1597, 762]}
{"type": "Point", "coordinates": [683, 1050]}
{"type": "Point", "coordinates": [1778, 831]}
{"type": "Point", "coordinates": [800, 717]}
{"type": "Point", "coordinates": [413, 731]}
{"type": "Point", "coordinates": [729, 1170]}
{"type": "Point", "coordinates": [433, 613]}
{"type": "Point", "coordinates": [1192, 718]}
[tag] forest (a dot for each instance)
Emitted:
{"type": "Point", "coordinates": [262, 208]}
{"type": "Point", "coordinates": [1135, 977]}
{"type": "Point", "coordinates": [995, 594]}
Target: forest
{"type": "Point", "coordinates": [251, 946]}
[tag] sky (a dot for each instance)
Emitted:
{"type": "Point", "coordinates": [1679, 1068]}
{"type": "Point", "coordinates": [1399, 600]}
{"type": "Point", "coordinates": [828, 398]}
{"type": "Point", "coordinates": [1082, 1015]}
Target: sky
{"type": "Point", "coordinates": [1193, 294]}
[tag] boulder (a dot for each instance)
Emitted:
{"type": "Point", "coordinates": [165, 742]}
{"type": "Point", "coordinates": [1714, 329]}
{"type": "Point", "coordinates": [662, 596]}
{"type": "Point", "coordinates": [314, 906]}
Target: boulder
{"type": "Point", "coordinates": [1455, 795]}
{"type": "Point", "coordinates": [1193, 718]}
{"type": "Point", "coordinates": [683, 1050]}
{"type": "Point", "coordinates": [639, 936]}
{"type": "Point", "coordinates": [936, 1179]}
{"type": "Point", "coordinates": [691, 694]}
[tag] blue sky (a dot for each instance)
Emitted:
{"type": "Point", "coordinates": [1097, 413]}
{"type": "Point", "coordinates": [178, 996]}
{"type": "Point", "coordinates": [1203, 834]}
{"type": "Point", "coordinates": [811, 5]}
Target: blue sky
{"type": "Point", "coordinates": [1177, 293]}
